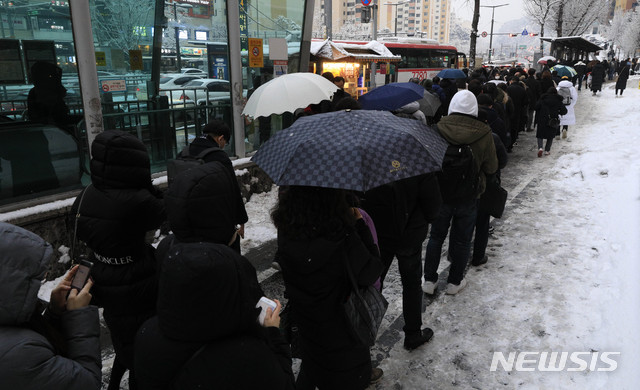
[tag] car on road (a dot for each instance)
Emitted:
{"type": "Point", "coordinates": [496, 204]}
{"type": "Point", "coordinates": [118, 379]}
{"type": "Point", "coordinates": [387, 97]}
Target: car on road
{"type": "Point", "coordinates": [201, 91]}
{"type": "Point", "coordinates": [168, 82]}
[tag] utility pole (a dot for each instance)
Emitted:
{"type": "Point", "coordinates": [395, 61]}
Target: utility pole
{"type": "Point", "coordinates": [395, 30]}
{"type": "Point", "coordinates": [493, 9]}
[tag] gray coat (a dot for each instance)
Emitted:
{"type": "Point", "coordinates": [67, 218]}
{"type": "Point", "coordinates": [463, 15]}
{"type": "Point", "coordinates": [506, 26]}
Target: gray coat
{"type": "Point", "coordinates": [28, 360]}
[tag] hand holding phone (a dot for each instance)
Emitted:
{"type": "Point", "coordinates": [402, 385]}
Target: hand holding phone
{"type": "Point", "coordinates": [82, 275]}
{"type": "Point", "coordinates": [265, 303]}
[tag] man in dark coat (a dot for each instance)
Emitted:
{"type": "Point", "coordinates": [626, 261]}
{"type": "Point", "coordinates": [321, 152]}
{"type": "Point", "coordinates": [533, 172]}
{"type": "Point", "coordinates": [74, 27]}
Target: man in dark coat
{"type": "Point", "coordinates": [493, 119]}
{"type": "Point", "coordinates": [460, 127]}
{"type": "Point", "coordinates": [623, 76]}
{"type": "Point", "coordinates": [57, 350]}
{"type": "Point", "coordinates": [533, 94]}
{"type": "Point", "coordinates": [518, 96]}
{"type": "Point", "coordinates": [206, 332]}
{"type": "Point", "coordinates": [598, 73]}
{"type": "Point", "coordinates": [217, 134]}
{"type": "Point", "coordinates": [116, 211]}
{"type": "Point", "coordinates": [401, 212]}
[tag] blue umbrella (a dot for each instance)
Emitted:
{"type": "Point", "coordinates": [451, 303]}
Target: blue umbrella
{"type": "Point", "coordinates": [352, 150]}
{"type": "Point", "coordinates": [451, 74]}
{"type": "Point", "coordinates": [564, 70]}
{"type": "Point", "coordinates": [392, 96]}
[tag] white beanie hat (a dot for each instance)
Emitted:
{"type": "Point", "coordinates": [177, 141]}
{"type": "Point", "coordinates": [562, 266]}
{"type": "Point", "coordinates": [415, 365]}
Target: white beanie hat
{"type": "Point", "coordinates": [464, 102]}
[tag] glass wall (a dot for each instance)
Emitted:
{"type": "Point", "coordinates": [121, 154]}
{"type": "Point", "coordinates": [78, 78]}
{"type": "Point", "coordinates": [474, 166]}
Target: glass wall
{"type": "Point", "coordinates": [266, 23]}
{"type": "Point", "coordinates": [193, 58]}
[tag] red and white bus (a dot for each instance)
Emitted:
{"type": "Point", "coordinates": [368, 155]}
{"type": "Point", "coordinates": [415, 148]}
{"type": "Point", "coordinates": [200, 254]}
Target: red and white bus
{"type": "Point", "coordinates": [421, 58]}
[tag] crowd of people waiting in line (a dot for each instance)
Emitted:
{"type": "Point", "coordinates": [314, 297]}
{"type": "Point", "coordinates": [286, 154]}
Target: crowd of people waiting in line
{"type": "Point", "coordinates": [184, 316]}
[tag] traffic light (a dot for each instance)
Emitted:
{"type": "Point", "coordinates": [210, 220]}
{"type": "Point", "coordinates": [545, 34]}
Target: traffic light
{"type": "Point", "coordinates": [511, 35]}
{"type": "Point", "coordinates": [365, 14]}
{"type": "Point", "coordinates": [533, 34]}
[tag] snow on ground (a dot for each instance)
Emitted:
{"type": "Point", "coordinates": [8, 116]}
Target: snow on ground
{"type": "Point", "coordinates": [563, 269]}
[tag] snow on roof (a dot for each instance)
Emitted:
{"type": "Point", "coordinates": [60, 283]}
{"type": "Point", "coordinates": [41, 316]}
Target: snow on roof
{"type": "Point", "coordinates": [372, 50]}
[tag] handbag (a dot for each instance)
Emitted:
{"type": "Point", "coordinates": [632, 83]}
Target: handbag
{"type": "Point", "coordinates": [364, 310]}
{"type": "Point", "coordinates": [553, 122]}
{"type": "Point", "coordinates": [494, 198]}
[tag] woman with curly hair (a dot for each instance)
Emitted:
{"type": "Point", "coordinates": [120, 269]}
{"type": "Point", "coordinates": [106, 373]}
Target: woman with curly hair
{"type": "Point", "coordinates": [318, 233]}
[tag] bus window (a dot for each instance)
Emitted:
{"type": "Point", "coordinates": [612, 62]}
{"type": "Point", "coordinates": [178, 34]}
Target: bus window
{"type": "Point", "coordinates": [412, 62]}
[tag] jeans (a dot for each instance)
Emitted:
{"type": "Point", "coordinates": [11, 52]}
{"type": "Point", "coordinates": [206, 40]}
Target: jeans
{"type": "Point", "coordinates": [547, 146]}
{"type": "Point", "coordinates": [462, 218]}
{"type": "Point", "coordinates": [409, 254]}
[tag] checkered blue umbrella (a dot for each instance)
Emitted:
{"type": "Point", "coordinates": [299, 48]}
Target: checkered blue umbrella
{"type": "Point", "coordinates": [353, 150]}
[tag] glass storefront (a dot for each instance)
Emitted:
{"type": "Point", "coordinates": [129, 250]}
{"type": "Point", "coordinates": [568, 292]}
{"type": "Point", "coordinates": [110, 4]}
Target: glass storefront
{"type": "Point", "coordinates": [194, 64]}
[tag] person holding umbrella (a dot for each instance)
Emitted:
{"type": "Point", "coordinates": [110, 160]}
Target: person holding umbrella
{"type": "Point", "coordinates": [318, 234]}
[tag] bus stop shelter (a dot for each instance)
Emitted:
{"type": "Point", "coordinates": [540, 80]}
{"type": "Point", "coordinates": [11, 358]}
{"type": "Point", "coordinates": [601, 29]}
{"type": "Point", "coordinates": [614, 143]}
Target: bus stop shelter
{"type": "Point", "coordinates": [572, 48]}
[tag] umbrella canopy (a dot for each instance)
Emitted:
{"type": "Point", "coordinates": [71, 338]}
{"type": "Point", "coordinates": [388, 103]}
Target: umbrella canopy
{"type": "Point", "coordinates": [352, 150]}
{"type": "Point", "coordinates": [564, 70]}
{"type": "Point", "coordinates": [545, 59]}
{"type": "Point", "coordinates": [287, 93]}
{"type": "Point", "coordinates": [429, 104]}
{"type": "Point", "coordinates": [392, 96]}
{"type": "Point", "coordinates": [451, 74]}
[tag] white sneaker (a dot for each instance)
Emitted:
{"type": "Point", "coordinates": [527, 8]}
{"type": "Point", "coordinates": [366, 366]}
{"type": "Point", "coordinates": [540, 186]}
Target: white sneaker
{"type": "Point", "coordinates": [453, 289]}
{"type": "Point", "coordinates": [429, 287]}
{"type": "Point", "coordinates": [564, 134]}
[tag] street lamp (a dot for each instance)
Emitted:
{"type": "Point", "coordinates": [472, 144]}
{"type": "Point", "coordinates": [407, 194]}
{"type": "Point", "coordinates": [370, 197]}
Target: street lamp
{"type": "Point", "coordinates": [177, 30]}
{"type": "Point", "coordinates": [395, 31]}
{"type": "Point", "coordinates": [493, 9]}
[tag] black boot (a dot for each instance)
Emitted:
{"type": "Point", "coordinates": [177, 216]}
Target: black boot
{"type": "Point", "coordinates": [414, 340]}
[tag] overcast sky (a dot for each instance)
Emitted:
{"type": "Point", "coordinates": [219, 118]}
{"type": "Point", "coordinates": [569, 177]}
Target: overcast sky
{"type": "Point", "coordinates": [513, 11]}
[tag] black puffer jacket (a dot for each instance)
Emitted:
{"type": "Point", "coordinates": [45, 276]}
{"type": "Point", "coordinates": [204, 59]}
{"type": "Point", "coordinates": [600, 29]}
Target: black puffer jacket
{"type": "Point", "coordinates": [117, 210]}
{"type": "Point", "coordinates": [28, 359]}
{"type": "Point", "coordinates": [206, 333]}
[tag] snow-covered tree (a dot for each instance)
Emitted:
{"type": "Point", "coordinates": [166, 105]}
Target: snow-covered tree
{"type": "Point", "coordinates": [352, 30]}
{"type": "Point", "coordinates": [319, 29]}
{"type": "Point", "coordinates": [575, 17]}
{"type": "Point", "coordinates": [459, 35]}
{"type": "Point", "coordinates": [123, 24]}
{"type": "Point", "coordinates": [629, 40]}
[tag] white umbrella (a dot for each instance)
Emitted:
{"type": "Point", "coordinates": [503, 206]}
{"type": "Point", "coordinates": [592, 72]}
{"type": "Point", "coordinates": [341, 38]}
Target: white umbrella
{"type": "Point", "coordinates": [287, 93]}
{"type": "Point", "coordinates": [544, 59]}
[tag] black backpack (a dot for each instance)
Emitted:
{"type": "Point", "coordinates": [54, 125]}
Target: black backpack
{"type": "Point", "coordinates": [186, 161]}
{"type": "Point", "coordinates": [459, 177]}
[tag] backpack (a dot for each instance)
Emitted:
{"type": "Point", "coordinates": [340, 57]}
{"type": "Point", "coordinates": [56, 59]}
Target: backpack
{"type": "Point", "coordinates": [186, 161]}
{"type": "Point", "coordinates": [565, 93]}
{"type": "Point", "coordinates": [459, 179]}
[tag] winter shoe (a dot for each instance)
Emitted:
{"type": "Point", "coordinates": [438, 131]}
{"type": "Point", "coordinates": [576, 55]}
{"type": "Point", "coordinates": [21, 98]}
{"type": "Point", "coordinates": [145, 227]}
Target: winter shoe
{"type": "Point", "coordinates": [491, 229]}
{"type": "Point", "coordinates": [540, 152]}
{"type": "Point", "coordinates": [564, 134]}
{"type": "Point", "coordinates": [429, 287]}
{"type": "Point", "coordinates": [414, 340]}
{"type": "Point", "coordinates": [376, 375]}
{"type": "Point", "coordinates": [275, 265]}
{"type": "Point", "coordinates": [453, 289]}
{"type": "Point", "coordinates": [477, 262]}
{"type": "Point", "coordinates": [547, 153]}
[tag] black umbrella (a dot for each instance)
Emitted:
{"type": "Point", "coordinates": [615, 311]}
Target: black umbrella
{"type": "Point", "coordinates": [353, 150]}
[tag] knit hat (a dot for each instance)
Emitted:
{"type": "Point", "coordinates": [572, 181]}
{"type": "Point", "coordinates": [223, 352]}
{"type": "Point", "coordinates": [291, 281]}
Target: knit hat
{"type": "Point", "coordinates": [464, 102]}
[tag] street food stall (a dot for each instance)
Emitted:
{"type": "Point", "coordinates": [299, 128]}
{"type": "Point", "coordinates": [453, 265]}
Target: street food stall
{"type": "Point", "coordinates": [351, 61]}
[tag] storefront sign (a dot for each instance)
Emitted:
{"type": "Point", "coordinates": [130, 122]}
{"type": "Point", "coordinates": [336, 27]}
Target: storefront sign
{"type": "Point", "coordinates": [383, 68]}
{"type": "Point", "coordinates": [256, 59]}
{"type": "Point", "coordinates": [101, 58]}
{"type": "Point", "coordinates": [135, 60]}
{"type": "Point", "coordinates": [113, 85]}
{"type": "Point", "coordinates": [280, 68]}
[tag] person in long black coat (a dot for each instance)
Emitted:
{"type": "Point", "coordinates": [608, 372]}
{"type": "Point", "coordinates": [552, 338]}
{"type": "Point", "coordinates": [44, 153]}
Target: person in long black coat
{"type": "Point", "coordinates": [318, 234]}
{"type": "Point", "coordinates": [549, 107]}
{"type": "Point", "coordinates": [518, 96]}
{"type": "Point", "coordinates": [623, 76]}
{"type": "Point", "coordinates": [206, 333]}
{"type": "Point", "coordinates": [116, 211]}
{"type": "Point", "coordinates": [598, 73]}
{"type": "Point", "coordinates": [534, 91]}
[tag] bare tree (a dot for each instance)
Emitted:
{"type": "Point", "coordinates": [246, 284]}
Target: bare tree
{"type": "Point", "coordinates": [575, 17]}
{"type": "Point", "coordinates": [123, 24]}
{"type": "Point", "coordinates": [540, 11]}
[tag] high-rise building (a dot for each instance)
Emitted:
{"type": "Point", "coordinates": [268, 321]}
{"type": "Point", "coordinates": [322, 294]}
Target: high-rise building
{"type": "Point", "coordinates": [420, 18]}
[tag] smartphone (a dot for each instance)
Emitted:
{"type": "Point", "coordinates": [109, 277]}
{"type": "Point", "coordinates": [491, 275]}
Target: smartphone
{"type": "Point", "coordinates": [264, 303]}
{"type": "Point", "coordinates": [82, 275]}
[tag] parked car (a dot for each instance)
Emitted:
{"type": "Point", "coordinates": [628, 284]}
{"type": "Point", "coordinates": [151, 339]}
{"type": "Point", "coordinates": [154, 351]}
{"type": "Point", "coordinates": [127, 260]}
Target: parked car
{"type": "Point", "coordinates": [168, 82]}
{"type": "Point", "coordinates": [194, 71]}
{"type": "Point", "coordinates": [201, 91]}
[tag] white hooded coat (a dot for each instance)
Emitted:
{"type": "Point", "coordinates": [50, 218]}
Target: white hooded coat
{"type": "Point", "coordinates": [570, 117]}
